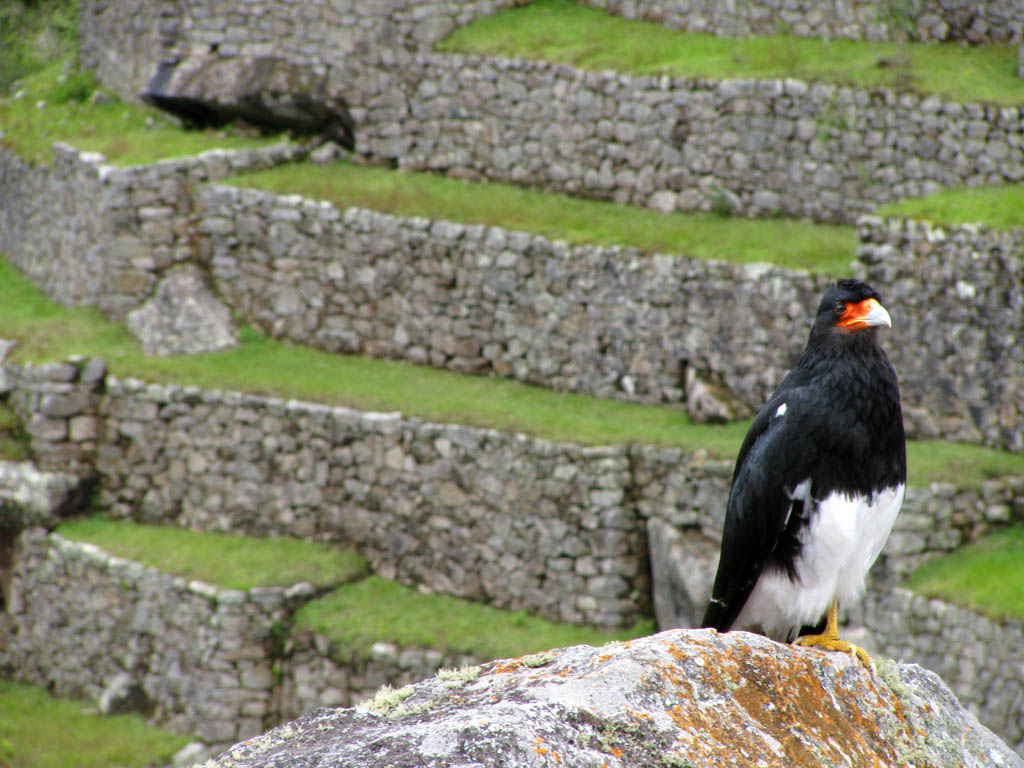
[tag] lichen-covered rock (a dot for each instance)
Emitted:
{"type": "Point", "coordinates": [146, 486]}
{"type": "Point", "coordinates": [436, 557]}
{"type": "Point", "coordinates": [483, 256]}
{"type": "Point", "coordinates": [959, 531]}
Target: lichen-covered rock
{"type": "Point", "coordinates": [693, 698]}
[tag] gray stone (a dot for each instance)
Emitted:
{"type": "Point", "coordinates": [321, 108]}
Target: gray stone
{"type": "Point", "coordinates": [682, 571]}
{"type": "Point", "coordinates": [263, 91]}
{"type": "Point", "coordinates": [692, 697]}
{"type": "Point", "coordinates": [183, 317]}
{"type": "Point", "coordinates": [123, 694]}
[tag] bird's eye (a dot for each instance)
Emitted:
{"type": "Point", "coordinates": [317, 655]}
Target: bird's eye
{"type": "Point", "coordinates": [839, 308]}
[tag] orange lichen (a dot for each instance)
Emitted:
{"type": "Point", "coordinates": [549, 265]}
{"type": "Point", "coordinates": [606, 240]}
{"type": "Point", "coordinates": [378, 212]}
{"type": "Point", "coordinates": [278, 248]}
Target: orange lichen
{"type": "Point", "coordinates": [780, 695]}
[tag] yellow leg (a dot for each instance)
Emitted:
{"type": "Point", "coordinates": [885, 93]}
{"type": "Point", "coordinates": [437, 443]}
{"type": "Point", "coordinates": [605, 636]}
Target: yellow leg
{"type": "Point", "coordinates": [829, 639]}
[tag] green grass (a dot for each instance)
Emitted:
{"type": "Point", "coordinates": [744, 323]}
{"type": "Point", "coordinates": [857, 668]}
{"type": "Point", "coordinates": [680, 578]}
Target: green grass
{"type": "Point", "coordinates": [232, 562]}
{"type": "Point", "coordinates": [34, 33]}
{"type": "Point", "coordinates": [38, 730]}
{"type": "Point", "coordinates": [787, 243]}
{"type": "Point", "coordinates": [997, 207]}
{"type": "Point", "coordinates": [985, 576]}
{"type": "Point", "coordinates": [264, 366]}
{"type": "Point", "coordinates": [561, 31]}
{"type": "Point", "coordinates": [126, 134]}
{"type": "Point", "coordinates": [389, 612]}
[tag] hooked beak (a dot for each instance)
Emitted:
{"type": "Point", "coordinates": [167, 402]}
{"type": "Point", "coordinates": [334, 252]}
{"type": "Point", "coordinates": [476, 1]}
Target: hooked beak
{"type": "Point", "coordinates": [865, 314]}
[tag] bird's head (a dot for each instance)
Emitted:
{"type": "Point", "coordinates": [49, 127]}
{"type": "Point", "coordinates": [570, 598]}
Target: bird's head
{"type": "Point", "coordinates": [850, 307]}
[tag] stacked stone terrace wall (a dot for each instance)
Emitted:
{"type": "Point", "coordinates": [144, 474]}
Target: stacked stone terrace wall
{"type": "Point", "coordinates": [206, 661]}
{"type": "Point", "coordinates": [89, 233]}
{"type": "Point", "coordinates": [77, 618]}
{"type": "Point", "coordinates": [558, 529]}
{"type": "Point", "coordinates": [927, 20]}
{"type": "Point", "coordinates": [123, 41]}
{"type": "Point", "coordinates": [820, 151]}
{"type": "Point", "coordinates": [954, 289]}
{"type": "Point", "coordinates": [617, 322]}
{"type": "Point", "coordinates": [775, 147]}
{"type": "Point", "coordinates": [214, 663]}
{"type": "Point", "coordinates": [604, 321]}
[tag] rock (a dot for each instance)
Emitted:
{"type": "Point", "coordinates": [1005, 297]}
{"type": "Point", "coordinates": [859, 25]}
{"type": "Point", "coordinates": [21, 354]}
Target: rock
{"type": "Point", "coordinates": [684, 697]}
{"type": "Point", "coordinates": [122, 695]}
{"type": "Point", "coordinates": [709, 402]}
{"type": "Point", "coordinates": [682, 572]}
{"type": "Point", "coordinates": [265, 92]}
{"type": "Point", "coordinates": [183, 317]}
{"type": "Point", "coordinates": [29, 497]}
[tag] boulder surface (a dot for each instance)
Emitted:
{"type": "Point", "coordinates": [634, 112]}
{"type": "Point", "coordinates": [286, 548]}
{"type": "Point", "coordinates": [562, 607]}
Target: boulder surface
{"type": "Point", "coordinates": [680, 698]}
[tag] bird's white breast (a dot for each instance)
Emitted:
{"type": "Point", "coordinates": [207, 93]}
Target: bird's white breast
{"type": "Point", "coordinates": [839, 546]}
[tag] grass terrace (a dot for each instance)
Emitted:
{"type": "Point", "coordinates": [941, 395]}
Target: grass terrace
{"type": "Point", "coordinates": [224, 560]}
{"type": "Point", "coordinates": [997, 207]}
{"type": "Point", "coordinates": [389, 612]}
{"type": "Point", "coordinates": [784, 242]}
{"type": "Point", "coordinates": [38, 730]}
{"type": "Point", "coordinates": [984, 576]}
{"type": "Point", "coordinates": [261, 365]}
{"type": "Point", "coordinates": [562, 31]}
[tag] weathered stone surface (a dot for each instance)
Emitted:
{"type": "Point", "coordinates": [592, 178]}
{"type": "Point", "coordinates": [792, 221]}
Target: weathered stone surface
{"type": "Point", "coordinates": [31, 497]}
{"type": "Point", "coordinates": [679, 698]}
{"type": "Point", "coordinates": [183, 317]}
{"type": "Point", "coordinates": [682, 570]}
{"type": "Point", "coordinates": [266, 92]}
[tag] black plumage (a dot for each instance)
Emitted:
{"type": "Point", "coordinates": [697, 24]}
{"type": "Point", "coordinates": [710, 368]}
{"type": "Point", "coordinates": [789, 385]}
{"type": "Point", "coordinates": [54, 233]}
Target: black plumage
{"type": "Point", "coordinates": [818, 481]}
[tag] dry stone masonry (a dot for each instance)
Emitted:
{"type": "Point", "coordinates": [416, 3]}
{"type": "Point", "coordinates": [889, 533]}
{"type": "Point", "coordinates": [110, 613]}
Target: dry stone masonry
{"type": "Point", "coordinates": [765, 147]}
{"type": "Point", "coordinates": [569, 532]}
{"type": "Point", "coordinates": [606, 321]}
{"type": "Point", "coordinates": [926, 20]}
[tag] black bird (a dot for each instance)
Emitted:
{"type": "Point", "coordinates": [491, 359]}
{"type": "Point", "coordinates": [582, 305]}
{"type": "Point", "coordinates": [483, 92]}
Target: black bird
{"type": "Point", "coordinates": [818, 482]}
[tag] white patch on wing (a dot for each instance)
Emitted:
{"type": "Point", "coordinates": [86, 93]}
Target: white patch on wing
{"type": "Point", "coordinates": [840, 545]}
{"type": "Point", "coordinates": [780, 411]}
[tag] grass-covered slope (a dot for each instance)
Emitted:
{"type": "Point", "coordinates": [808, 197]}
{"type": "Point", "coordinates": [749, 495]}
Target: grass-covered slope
{"type": "Point", "coordinates": [45, 98]}
{"type": "Point", "coordinates": [786, 243]}
{"type": "Point", "coordinates": [38, 730]}
{"type": "Point", "coordinates": [589, 38]}
{"type": "Point", "coordinates": [357, 615]}
{"type": "Point", "coordinates": [264, 366]}
{"type": "Point", "coordinates": [985, 576]}
{"type": "Point", "coordinates": [229, 561]}
{"type": "Point", "coordinates": [997, 207]}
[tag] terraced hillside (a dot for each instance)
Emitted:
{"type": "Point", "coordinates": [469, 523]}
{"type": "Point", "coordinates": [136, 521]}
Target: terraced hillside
{"type": "Point", "coordinates": [588, 507]}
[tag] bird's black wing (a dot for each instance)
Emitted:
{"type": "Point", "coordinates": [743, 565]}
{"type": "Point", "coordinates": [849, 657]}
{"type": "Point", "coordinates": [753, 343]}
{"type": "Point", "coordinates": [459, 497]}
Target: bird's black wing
{"type": "Point", "coordinates": [774, 459]}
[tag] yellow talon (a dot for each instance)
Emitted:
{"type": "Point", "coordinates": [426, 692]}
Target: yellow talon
{"type": "Point", "coordinates": [829, 639]}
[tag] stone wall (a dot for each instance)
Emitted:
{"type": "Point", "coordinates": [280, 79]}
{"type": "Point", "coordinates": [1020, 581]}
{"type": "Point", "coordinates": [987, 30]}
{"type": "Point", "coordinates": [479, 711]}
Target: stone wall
{"type": "Point", "coordinates": [123, 41]}
{"type": "Point", "coordinates": [505, 519]}
{"type": "Point", "coordinates": [96, 234]}
{"type": "Point", "coordinates": [215, 663]}
{"type": "Point", "coordinates": [617, 322]}
{"type": "Point", "coordinates": [605, 321]}
{"type": "Point", "coordinates": [570, 532]}
{"type": "Point", "coordinates": [611, 322]}
{"type": "Point", "coordinates": [954, 289]}
{"type": "Point", "coordinates": [979, 658]}
{"type": "Point", "coordinates": [77, 618]}
{"type": "Point", "coordinates": [204, 659]}
{"type": "Point", "coordinates": [768, 147]}
{"type": "Point", "coordinates": [927, 20]}
{"type": "Point", "coordinates": [764, 147]}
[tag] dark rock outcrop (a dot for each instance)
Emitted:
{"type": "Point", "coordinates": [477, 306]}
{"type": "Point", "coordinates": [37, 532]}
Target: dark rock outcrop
{"type": "Point", "coordinates": [680, 698]}
{"type": "Point", "coordinates": [268, 93]}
